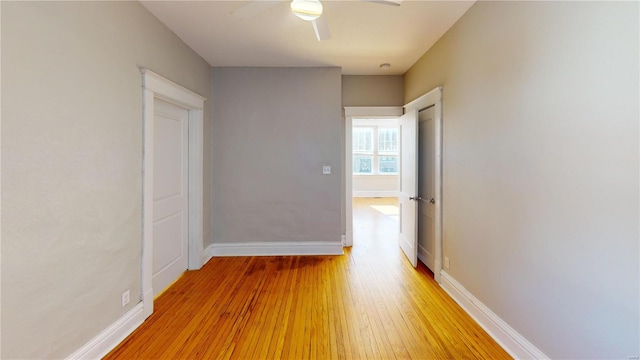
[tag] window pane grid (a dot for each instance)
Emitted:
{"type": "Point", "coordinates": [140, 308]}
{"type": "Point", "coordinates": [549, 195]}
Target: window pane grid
{"type": "Point", "coordinates": [363, 164]}
{"type": "Point", "coordinates": [388, 165]}
{"type": "Point", "coordinates": [363, 140]}
{"type": "Point", "coordinates": [388, 140]}
{"type": "Point", "coordinates": [375, 150]}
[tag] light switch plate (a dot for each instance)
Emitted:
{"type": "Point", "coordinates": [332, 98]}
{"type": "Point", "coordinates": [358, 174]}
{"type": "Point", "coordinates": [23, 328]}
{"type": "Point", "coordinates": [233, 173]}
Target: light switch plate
{"type": "Point", "coordinates": [326, 170]}
{"type": "Point", "coordinates": [124, 299]}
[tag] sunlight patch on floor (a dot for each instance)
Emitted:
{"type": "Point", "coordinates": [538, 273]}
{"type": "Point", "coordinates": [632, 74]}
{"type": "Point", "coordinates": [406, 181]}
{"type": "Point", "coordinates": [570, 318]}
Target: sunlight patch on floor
{"type": "Point", "coordinates": [387, 209]}
{"type": "Point", "coordinates": [395, 217]}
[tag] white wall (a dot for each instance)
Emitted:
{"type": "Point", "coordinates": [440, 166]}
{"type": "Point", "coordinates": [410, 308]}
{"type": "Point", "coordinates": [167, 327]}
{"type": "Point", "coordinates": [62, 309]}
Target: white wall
{"type": "Point", "coordinates": [72, 165]}
{"type": "Point", "coordinates": [541, 163]}
{"type": "Point", "coordinates": [375, 185]}
{"type": "Point", "coordinates": [273, 130]}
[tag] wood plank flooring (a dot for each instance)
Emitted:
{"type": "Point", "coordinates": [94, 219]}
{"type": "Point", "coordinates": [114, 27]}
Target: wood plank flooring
{"type": "Point", "coordinates": [366, 304]}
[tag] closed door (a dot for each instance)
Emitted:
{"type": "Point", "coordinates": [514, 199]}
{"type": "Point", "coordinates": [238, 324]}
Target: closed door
{"type": "Point", "coordinates": [170, 193]}
{"type": "Point", "coordinates": [426, 186]}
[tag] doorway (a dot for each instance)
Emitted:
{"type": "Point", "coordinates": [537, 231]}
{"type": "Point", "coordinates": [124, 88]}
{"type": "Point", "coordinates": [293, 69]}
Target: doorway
{"type": "Point", "coordinates": [367, 163]}
{"type": "Point", "coordinates": [375, 157]}
{"type": "Point", "coordinates": [157, 89]}
{"type": "Point", "coordinates": [375, 181]}
{"type": "Point", "coordinates": [424, 176]}
{"type": "Point", "coordinates": [433, 100]}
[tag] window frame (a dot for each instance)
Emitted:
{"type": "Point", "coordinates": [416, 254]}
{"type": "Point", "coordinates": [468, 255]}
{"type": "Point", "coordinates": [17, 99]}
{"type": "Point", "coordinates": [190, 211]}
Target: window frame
{"type": "Point", "coordinates": [375, 153]}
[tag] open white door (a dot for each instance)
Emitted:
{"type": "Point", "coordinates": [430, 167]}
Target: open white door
{"type": "Point", "coordinates": [427, 187]}
{"type": "Point", "coordinates": [408, 236]}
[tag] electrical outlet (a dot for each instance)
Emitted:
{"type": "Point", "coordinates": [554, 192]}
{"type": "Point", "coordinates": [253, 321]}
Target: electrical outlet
{"type": "Point", "coordinates": [326, 170]}
{"type": "Point", "coordinates": [124, 299]}
{"type": "Point", "coordinates": [446, 262]}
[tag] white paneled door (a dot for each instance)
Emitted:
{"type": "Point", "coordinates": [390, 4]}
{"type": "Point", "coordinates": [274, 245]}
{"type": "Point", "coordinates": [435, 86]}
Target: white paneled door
{"type": "Point", "coordinates": [170, 193]}
{"type": "Point", "coordinates": [407, 198]}
{"type": "Point", "coordinates": [426, 186]}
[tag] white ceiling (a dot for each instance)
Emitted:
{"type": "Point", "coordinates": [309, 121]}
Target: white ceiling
{"type": "Point", "coordinates": [363, 34]}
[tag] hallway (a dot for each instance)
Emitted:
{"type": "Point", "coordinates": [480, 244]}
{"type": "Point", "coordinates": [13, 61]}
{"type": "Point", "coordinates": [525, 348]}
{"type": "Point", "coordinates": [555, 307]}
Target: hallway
{"type": "Point", "coordinates": [366, 304]}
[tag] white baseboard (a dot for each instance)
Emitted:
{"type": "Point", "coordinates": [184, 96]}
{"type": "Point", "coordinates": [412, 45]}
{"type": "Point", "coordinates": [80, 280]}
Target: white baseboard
{"type": "Point", "coordinates": [348, 238]}
{"type": "Point", "coordinates": [278, 248]}
{"type": "Point", "coordinates": [426, 257]}
{"type": "Point", "coordinates": [375, 194]}
{"type": "Point", "coordinates": [422, 258]}
{"type": "Point", "coordinates": [147, 303]}
{"type": "Point", "coordinates": [110, 337]}
{"type": "Point", "coordinates": [344, 240]}
{"type": "Point", "coordinates": [510, 340]}
{"type": "Point", "coordinates": [207, 254]}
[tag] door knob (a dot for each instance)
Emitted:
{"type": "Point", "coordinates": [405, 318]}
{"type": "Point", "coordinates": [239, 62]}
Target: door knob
{"type": "Point", "coordinates": [416, 198]}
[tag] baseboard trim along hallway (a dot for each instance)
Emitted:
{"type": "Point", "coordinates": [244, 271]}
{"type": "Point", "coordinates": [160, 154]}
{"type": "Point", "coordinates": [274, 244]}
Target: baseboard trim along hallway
{"type": "Point", "coordinates": [510, 340]}
{"type": "Point", "coordinates": [110, 337]}
{"type": "Point", "coordinates": [278, 248]}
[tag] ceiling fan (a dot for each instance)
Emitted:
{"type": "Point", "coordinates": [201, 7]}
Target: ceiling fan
{"type": "Point", "coordinates": [308, 10]}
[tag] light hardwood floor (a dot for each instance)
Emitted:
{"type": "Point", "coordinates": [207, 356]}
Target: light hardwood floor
{"type": "Point", "coordinates": [367, 304]}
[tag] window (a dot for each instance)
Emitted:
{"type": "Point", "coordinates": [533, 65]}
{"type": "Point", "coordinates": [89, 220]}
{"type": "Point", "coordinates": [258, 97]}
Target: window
{"type": "Point", "coordinates": [388, 150]}
{"type": "Point", "coordinates": [375, 150]}
{"type": "Point", "coordinates": [388, 140]}
{"type": "Point", "coordinates": [363, 150]}
{"type": "Point", "coordinates": [362, 164]}
{"type": "Point", "coordinates": [388, 165]}
{"type": "Point", "coordinates": [362, 140]}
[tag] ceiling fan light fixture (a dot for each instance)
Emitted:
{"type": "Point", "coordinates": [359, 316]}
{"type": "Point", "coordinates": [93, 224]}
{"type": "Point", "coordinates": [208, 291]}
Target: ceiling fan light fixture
{"type": "Point", "coordinates": [308, 10]}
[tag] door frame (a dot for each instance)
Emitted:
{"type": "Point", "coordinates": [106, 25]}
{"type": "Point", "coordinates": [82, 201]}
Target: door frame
{"type": "Point", "coordinates": [434, 98]}
{"type": "Point", "coordinates": [351, 112]}
{"type": "Point", "coordinates": [157, 87]}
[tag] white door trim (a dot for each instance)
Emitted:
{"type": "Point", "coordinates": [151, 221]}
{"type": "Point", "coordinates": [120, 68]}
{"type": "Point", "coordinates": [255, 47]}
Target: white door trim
{"type": "Point", "coordinates": [434, 97]}
{"type": "Point", "coordinates": [351, 112]}
{"type": "Point", "coordinates": [156, 87]}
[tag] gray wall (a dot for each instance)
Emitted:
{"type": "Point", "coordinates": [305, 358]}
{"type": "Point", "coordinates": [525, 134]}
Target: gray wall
{"type": "Point", "coordinates": [273, 130]}
{"type": "Point", "coordinates": [372, 90]}
{"type": "Point", "coordinates": [541, 168]}
{"type": "Point", "coordinates": [72, 163]}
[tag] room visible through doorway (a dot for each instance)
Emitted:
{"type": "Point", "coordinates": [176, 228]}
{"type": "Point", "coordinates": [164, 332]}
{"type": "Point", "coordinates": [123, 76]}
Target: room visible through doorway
{"type": "Point", "coordinates": [375, 165]}
{"type": "Point", "coordinates": [375, 225]}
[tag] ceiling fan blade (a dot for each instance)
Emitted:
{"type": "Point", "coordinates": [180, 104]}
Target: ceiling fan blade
{"type": "Point", "coordinates": [321, 28]}
{"type": "Point", "coordinates": [386, 2]}
{"type": "Point", "coordinates": [254, 8]}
